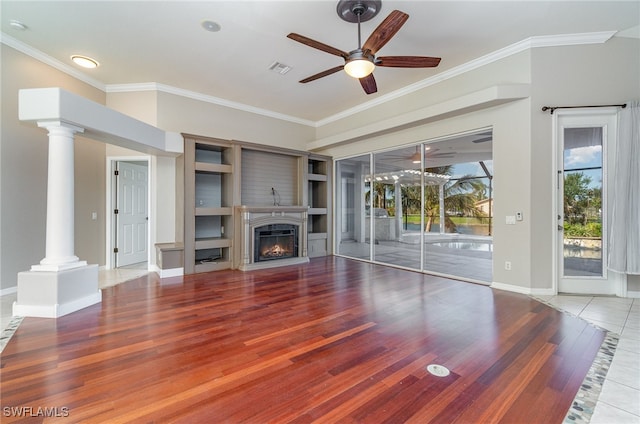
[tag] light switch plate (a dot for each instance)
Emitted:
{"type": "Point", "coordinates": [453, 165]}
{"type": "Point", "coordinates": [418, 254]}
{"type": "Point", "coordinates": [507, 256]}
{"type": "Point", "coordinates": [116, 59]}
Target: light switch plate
{"type": "Point", "coordinates": [511, 220]}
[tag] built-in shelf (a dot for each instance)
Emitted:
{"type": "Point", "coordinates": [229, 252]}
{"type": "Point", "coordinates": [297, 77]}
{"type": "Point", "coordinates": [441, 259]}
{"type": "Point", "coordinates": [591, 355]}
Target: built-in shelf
{"type": "Point", "coordinates": [213, 259]}
{"type": "Point", "coordinates": [318, 199]}
{"type": "Point", "coordinates": [211, 243]}
{"type": "Point", "coordinates": [316, 177]}
{"type": "Point", "coordinates": [213, 211]}
{"type": "Point", "coordinates": [212, 167]}
{"type": "Point", "coordinates": [209, 201]}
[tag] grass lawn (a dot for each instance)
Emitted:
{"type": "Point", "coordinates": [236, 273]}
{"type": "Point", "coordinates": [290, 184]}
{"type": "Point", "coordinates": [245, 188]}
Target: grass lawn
{"type": "Point", "coordinates": [458, 220]}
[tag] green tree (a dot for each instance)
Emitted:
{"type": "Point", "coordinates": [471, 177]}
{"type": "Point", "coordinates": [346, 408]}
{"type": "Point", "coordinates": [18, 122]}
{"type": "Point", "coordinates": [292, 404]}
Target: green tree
{"type": "Point", "coordinates": [460, 196]}
{"type": "Point", "coordinates": [579, 198]}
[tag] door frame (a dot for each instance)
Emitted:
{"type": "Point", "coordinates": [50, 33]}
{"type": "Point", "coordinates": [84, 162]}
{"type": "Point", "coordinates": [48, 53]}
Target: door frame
{"type": "Point", "coordinates": [616, 283]}
{"type": "Point", "coordinates": [111, 201]}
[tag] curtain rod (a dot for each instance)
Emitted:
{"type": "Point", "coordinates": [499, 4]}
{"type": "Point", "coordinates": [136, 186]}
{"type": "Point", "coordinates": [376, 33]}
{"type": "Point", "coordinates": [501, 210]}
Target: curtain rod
{"type": "Point", "coordinates": [552, 108]}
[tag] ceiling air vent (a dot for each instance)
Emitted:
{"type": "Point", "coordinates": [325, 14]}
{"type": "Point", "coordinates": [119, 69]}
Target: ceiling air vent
{"type": "Point", "coordinates": [280, 68]}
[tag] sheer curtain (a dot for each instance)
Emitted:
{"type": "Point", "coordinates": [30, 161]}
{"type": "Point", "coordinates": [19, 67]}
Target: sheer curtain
{"type": "Point", "coordinates": [624, 240]}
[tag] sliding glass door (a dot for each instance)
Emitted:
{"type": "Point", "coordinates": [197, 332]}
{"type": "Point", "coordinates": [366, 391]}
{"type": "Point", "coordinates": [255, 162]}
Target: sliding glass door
{"type": "Point", "coordinates": [426, 207]}
{"type": "Point", "coordinates": [396, 240]}
{"type": "Point", "coordinates": [352, 191]}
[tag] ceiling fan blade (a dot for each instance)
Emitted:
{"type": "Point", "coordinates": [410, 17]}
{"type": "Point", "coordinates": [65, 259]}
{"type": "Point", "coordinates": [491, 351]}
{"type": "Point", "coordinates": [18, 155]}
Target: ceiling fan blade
{"type": "Point", "coordinates": [369, 85]}
{"type": "Point", "coordinates": [318, 45]}
{"type": "Point", "coordinates": [322, 74]}
{"type": "Point", "coordinates": [482, 140]}
{"type": "Point", "coordinates": [408, 61]}
{"type": "Point", "coordinates": [442, 155]}
{"type": "Point", "coordinates": [385, 31]}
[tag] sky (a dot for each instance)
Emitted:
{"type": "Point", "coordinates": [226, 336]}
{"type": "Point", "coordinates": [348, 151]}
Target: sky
{"type": "Point", "coordinates": [585, 157]}
{"type": "Point", "coordinates": [471, 168]}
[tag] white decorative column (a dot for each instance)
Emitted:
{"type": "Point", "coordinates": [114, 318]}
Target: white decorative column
{"type": "Point", "coordinates": [61, 283]}
{"type": "Point", "coordinates": [442, 211]}
{"type": "Point", "coordinates": [399, 211]}
{"type": "Point", "coordinates": [59, 253]}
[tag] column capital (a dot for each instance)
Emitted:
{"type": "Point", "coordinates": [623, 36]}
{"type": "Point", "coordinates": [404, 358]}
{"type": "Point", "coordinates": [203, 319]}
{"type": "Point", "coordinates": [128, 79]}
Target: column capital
{"type": "Point", "coordinates": [53, 124]}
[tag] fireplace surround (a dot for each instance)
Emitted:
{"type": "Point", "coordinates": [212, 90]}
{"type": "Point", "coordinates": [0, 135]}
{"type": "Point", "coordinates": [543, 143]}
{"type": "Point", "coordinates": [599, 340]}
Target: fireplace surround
{"type": "Point", "coordinates": [272, 236]}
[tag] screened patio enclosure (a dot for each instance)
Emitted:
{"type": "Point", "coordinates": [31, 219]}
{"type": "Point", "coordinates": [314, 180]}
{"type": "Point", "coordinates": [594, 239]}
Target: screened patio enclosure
{"type": "Point", "coordinates": [426, 207]}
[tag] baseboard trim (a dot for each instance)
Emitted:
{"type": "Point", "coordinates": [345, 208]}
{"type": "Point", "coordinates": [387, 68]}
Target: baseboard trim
{"type": "Point", "coordinates": [523, 290]}
{"type": "Point", "coordinates": [166, 273]}
{"type": "Point", "coordinates": [633, 294]}
{"type": "Point", "coordinates": [57, 310]}
{"type": "Point", "coordinates": [510, 288]}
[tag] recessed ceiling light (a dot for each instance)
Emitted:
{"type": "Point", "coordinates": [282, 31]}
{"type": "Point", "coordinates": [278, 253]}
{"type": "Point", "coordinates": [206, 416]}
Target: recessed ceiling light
{"type": "Point", "coordinates": [211, 26]}
{"type": "Point", "coordinates": [84, 61]}
{"type": "Point", "coordinates": [17, 25]}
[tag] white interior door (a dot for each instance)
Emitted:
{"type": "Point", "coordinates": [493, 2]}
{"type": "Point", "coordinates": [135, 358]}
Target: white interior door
{"type": "Point", "coordinates": [132, 213]}
{"type": "Point", "coordinates": [586, 143]}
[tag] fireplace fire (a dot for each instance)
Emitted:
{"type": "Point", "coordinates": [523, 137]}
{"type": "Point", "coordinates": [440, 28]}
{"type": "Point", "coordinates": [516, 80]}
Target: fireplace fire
{"type": "Point", "coordinates": [275, 241]}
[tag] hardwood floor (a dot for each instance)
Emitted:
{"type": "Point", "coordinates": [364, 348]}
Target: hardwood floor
{"type": "Point", "coordinates": [333, 341]}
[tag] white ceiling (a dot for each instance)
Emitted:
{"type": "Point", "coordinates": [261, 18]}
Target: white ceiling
{"type": "Point", "coordinates": [138, 42]}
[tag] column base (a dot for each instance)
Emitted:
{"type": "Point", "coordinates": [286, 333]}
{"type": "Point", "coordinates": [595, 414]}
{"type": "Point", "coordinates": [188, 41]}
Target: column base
{"type": "Point", "coordinates": [58, 267]}
{"type": "Point", "coordinates": [50, 294]}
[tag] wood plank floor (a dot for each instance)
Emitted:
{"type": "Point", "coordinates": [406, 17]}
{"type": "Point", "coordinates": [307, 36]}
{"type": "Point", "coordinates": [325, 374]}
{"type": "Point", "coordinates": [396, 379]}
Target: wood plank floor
{"type": "Point", "coordinates": [333, 341]}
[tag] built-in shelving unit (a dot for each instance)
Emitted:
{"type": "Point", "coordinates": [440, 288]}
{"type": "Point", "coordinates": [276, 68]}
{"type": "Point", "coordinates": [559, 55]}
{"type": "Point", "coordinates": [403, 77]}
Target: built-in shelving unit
{"type": "Point", "coordinates": [209, 201]}
{"type": "Point", "coordinates": [224, 178]}
{"type": "Point", "coordinates": [318, 197]}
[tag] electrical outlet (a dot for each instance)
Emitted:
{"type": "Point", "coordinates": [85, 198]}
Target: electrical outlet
{"type": "Point", "coordinates": [518, 216]}
{"type": "Point", "coordinates": [507, 265]}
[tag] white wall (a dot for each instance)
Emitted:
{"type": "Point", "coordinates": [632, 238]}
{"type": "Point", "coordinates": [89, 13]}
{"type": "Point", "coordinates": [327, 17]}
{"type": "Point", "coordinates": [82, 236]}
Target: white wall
{"type": "Point", "coordinates": [185, 115]}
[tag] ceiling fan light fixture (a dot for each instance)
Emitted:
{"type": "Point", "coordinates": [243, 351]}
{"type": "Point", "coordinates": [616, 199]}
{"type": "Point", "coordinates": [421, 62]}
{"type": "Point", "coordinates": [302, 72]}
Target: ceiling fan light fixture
{"type": "Point", "coordinates": [359, 65]}
{"type": "Point", "coordinates": [359, 68]}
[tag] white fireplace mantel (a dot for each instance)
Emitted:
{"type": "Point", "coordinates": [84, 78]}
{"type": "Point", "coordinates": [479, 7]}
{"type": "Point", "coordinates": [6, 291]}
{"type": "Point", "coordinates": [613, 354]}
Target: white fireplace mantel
{"type": "Point", "coordinates": [252, 217]}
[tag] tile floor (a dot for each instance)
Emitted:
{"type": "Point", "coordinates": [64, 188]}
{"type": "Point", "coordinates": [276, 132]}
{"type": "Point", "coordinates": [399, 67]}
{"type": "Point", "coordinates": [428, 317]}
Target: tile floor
{"type": "Point", "coordinates": [619, 399]}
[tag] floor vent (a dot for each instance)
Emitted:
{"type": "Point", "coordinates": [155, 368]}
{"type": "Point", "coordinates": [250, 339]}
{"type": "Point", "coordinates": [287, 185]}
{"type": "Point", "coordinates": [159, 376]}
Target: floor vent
{"type": "Point", "coordinates": [438, 370]}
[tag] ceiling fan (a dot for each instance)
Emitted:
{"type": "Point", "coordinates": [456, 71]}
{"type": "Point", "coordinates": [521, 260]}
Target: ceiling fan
{"type": "Point", "coordinates": [361, 62]}
{"type": "Point", "coordinates": [417, 156]}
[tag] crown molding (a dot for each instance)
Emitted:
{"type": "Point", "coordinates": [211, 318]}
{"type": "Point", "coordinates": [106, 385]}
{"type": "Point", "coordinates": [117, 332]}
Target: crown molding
{"type": "Point", "coordinates": [526, 44]}
{"type": "Point", "coordinates": [48, 60]}
{"type": "Point", "coordinates": [154, 86]}
{"type": "Point", "coordinates": [520, 46]}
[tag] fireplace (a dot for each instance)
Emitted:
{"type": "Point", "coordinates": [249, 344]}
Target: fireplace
{"type": "Point", "coordinates": [271, 236]}
{"type": "Point", "coordinates": [275, 241]}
